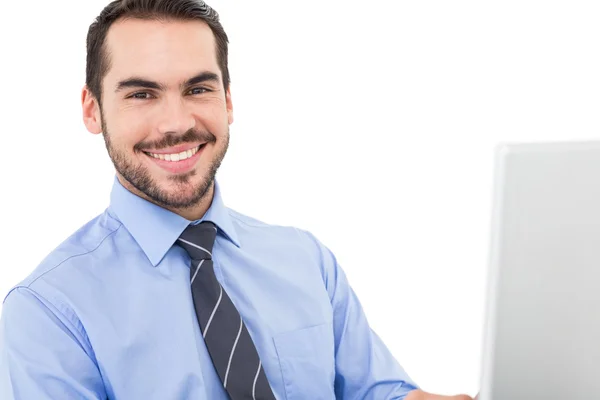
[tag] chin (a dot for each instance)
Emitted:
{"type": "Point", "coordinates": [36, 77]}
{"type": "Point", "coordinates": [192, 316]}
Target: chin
{"type": "Point", "coordinates": [186, 187]}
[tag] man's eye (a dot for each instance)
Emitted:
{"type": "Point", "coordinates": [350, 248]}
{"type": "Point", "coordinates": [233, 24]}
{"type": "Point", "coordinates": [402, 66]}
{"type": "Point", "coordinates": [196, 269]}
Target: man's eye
{"type": "Point", "coordinates": [199, 90]}
{"type": "Point", "coordinates": [141, 95]}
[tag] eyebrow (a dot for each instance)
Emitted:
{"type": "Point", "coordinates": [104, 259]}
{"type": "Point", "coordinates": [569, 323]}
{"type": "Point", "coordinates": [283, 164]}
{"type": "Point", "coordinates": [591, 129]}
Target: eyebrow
{"type": "Point", "coordinates": [138, 82]}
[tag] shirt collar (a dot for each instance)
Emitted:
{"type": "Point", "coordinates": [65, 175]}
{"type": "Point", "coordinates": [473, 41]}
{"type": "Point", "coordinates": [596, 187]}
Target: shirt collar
{"type": "Point", "coordinates": [155, 228]}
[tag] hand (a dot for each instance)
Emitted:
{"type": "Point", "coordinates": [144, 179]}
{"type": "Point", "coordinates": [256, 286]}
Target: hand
{"type": "Point", "coordinates": [420, 395]}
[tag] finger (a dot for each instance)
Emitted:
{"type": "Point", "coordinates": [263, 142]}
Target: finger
{"type": "Point", "coordinates": [420, 395]}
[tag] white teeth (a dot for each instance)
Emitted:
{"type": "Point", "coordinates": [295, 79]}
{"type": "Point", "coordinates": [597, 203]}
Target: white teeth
{"type": "Point", "coordinates": [175, 157]}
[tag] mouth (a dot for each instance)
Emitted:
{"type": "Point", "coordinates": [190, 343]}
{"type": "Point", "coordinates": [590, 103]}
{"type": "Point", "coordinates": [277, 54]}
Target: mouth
{"type": "Point", "coordinates": [178, 162]}
{"type": "Point", "coordinates": [175, 157]}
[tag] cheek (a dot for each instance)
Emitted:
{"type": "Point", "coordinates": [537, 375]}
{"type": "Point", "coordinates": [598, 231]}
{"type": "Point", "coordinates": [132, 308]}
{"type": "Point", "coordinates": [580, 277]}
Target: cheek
{"type": "Point", "coordinates": [218, 125]}
{"type": "Point", "coordinates": [212, 112]}
{"type": "Point", "coordinates": [128, 130]}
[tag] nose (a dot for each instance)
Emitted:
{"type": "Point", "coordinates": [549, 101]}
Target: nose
{"type": "Point", "coordinates": [175, 117]}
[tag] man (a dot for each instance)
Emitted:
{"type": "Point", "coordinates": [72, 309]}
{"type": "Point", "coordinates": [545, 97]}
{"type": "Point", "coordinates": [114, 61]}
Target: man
{"type": "Point", "coordinates": [168, 294]}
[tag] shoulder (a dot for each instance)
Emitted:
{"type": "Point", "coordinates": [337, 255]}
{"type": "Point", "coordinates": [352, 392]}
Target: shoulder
{"type": "Point", "coordinates": [247, 226]}
{"type": "Point", "coordinates": [76, 253]}
{"type": "Point", "coordinates": [299, 242]}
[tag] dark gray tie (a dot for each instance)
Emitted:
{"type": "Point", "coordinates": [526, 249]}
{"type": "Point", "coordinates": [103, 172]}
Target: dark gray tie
{"type": "Point", "coordinates": [230, 346]}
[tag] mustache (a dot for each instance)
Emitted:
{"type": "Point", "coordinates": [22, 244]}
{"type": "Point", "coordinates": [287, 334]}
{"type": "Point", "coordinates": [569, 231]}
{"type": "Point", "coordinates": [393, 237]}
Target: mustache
{"type": "Point", "coordinates": [170, 140]}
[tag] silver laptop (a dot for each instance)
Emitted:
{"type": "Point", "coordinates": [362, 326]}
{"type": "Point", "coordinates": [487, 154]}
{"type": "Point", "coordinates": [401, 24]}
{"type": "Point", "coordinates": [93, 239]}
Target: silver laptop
{"type": "Point", "coordinates": [542, 333]}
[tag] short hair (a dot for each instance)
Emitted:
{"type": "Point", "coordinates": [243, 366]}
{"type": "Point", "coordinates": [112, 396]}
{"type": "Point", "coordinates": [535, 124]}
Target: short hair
{"type": "Point", "coordinates": [98, 61]}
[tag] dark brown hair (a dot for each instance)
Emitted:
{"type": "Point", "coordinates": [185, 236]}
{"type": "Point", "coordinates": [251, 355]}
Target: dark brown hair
{"type": "Point", "coordinates": [98, 61]}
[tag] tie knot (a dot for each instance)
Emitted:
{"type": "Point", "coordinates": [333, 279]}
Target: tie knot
{"type": "Point", "coordinates": [198, 240]}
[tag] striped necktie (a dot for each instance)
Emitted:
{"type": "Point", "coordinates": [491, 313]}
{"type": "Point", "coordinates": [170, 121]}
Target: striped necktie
{"type": "Point", "coordinates": [228, 342]}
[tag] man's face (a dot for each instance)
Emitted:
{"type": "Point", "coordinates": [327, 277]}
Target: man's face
{"type": "Point", "coordinates": [163, 94]}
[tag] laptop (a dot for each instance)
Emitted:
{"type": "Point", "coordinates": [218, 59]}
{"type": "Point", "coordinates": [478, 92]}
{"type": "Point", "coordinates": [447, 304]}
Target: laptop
{"type": "Point", "coordinates": [542, 331]}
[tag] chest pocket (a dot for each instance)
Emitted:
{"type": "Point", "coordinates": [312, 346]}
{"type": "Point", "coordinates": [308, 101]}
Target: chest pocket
{"type": "Point", "coordinates": [307, 361]}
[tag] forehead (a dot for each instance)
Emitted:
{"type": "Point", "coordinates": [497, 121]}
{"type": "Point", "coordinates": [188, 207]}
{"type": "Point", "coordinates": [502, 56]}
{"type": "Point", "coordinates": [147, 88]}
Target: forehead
{"type": "Point", "coordinates": [161, 50]}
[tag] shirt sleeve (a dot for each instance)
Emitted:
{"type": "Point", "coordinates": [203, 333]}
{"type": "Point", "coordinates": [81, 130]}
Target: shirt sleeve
{"type": "Point", "coordinates": [365, 368]}
{"type": "Point", "coordinates": [43, 355]}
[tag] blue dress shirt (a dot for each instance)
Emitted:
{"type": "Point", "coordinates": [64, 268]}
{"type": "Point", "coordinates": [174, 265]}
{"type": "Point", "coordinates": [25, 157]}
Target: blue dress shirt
{"type": "Point", "coordinates": [109, 314]}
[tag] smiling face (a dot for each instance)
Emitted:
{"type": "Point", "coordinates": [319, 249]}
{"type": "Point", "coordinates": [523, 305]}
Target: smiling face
{"type": "Point", "coordinates": [165, 114]}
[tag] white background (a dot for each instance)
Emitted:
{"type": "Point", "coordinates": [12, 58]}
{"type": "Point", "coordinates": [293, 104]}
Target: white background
{"type": "Point", "coordinates": [371, 124]}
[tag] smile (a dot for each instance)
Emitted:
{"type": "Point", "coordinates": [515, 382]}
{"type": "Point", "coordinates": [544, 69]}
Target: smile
{"type": "Point", "coordinates": [176, 157]}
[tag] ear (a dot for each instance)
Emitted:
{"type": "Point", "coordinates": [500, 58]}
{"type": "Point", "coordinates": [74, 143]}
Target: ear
{"type": "Point", "coordinates": [91, 111]}
{"type": "Point", "coordinates": [229, 105]}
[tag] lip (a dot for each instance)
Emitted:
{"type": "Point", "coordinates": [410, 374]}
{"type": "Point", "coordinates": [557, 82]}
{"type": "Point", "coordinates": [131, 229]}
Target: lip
{"type": "Point", "coordinates": [176, 149]}
{"type": "Point", "coordinates": [177, 167]}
